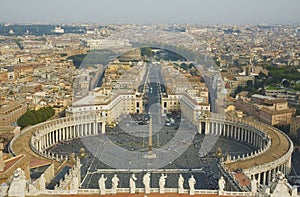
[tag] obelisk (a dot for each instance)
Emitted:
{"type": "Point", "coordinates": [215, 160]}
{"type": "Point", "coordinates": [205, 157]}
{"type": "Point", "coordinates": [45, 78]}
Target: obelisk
{"type": "Point", "coordinates": [150, 154]}
{"type": "Point", "coordinates": [150, 135]}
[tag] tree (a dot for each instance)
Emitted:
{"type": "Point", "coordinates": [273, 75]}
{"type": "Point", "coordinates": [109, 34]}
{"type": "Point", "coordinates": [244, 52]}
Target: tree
{"type": "Point", "coordinates": [32, 117]}
{"type": "Point", "coordinates": [262, 75]}
{"type": "Point", "coordinates": [238, 90]}
{"type": "Point", "coordinates": [146, 51]}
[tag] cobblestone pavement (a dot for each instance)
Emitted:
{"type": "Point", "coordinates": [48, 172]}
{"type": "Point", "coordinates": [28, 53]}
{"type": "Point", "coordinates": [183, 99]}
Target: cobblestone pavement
{"type": "Point", "coordinates": [206, 175]}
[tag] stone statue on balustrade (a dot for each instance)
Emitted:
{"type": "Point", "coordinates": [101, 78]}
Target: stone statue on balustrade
{"type": "Point", "coordinates": [61, 182]}
{"type": "Point", "coordinates": [162, 183]}
{"type": "Point", "coordinates": [146, 182]}
{"type": "Point", "coordinates": [221, 184]}
{"type": "Point", "coordinates": [280, 187]}
{"type": "Point", "coordinates": [18, 183]}
{"type": "Point", "coordinates": [3, 189]}
{"type": "Point", "coordinates": [101, 183]}
{"type": "Point", "coordinates": [180, 184]}
{"type": "Point", "coordinates": [115, 182]}
{"type": "Point", "coordinates": [42, 182]}
{"type": "Point", "coordinates": [74, 184]}
{"type": "Point", "coordinates": [132, 183]}
{"type": "Point", "coordinates": [192, 183]}
{"type": "Point", "coordinates": [254, 185]}
{"type": "Point", "coordinates": [32, 189]}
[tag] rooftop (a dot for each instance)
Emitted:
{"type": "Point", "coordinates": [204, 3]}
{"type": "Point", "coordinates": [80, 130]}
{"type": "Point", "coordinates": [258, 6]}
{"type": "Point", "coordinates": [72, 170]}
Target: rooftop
{"type": "Point", "coordinates": [280, 145]}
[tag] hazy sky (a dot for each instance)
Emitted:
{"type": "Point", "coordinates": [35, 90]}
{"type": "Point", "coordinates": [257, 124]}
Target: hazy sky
{"type": "Point", "coordinates": [151, 11]}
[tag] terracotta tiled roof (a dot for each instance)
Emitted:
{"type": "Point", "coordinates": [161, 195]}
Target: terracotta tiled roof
{"type": "Point", "coordinates": [242, 179]}
{"type": "Point", "coordinates": [10, 162]}
{"type": "Point", "coordinates": [37, 162]}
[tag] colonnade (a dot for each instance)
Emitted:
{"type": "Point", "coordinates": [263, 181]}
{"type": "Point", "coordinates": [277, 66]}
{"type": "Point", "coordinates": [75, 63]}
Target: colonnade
{"type": "Point", "coordinates": [53, 132]}
{"type": "Point", "coordinates": [266, 177]}
{"type": "Point", "coordinates": [256, 134]}
{"type": "Point", "coordinates": [50, 133]}
{"type": "Point", "coordinates": [234, 130]}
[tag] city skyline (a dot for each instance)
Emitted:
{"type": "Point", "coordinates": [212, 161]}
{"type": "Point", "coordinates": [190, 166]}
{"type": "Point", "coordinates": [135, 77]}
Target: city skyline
{"type": "Point", "coordinates": [152, 109]}
{"type": "Point", "coordinates": [141, 12]}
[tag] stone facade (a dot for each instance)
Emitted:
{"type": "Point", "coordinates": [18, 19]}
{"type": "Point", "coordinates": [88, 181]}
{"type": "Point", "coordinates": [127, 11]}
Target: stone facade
{"type": "Point", "coordinates": [269, 110]}
{"type": "Point", "coordinates": [295, 128]}
{"type": "Point", "coordinates": [11, 113]}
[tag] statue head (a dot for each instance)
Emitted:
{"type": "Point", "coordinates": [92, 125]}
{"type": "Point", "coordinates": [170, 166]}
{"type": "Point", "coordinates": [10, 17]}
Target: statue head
{"type": "Point", "coordinates": [18, 173]}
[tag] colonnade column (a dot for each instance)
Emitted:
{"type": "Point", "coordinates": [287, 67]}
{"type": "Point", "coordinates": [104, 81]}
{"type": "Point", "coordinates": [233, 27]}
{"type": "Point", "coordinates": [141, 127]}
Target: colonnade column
{"type": "Point", "coordinates": [264, 178]}
{"type": "Point", "coordinates": [207, 127]}
{"type": "Point", "coordinates": [80, 130]}
{"type": "Point", "coordinates": [250, 136]}
{"type": "Point", "coordinates": [95, 128]}
{"type": "Point", "coordinates": [57, 137]}
{"type": "Point", "coordinates": [221, 129]}
{"type": "Point", "coordinates": [67, 133]}
{"type": "Point", "coordinates": [269, 176]}
{"type": "Point", "coordinates": [63, 130]}
{"type": "Point", "coordinates": [227, 130]}
{"type": "Point", "coordinates": [39, 146]}
{"type": "Point", "coordinates": [63, 135]}
{"type": "Point", "coordinates": [103, 127]}
{"type": "Point", "coordinates": [88, 129]}
{"type": "Point", "coordinates": [200, 127]}
{"type": "Point", "coordinates": [73, 131]}
{"type": "Point", "coordinates": [242, 134]}
{"type": "Point", "coordinates": [238, 133]}
{"type": "Point", "coordinates": [43, 140]}
{"type": "Point", "coordinates": [213, 128]}
{"type": "Point", "coordinates": [51, 138]}
{"type": "Point", "coordinates": [254, 139]}
{"type": "Point", "coordinates": [76, 130]}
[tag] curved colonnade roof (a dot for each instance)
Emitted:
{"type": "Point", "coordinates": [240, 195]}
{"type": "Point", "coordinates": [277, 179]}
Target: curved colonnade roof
{"type": "Point", "coordinates": [21, 146]}
{"type": "Point", "coordinates": [280, 145]}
